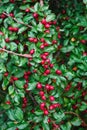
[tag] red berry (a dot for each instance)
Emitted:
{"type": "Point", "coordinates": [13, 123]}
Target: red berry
{"type": "Point", "coordinates": [51, 107]}
{"type": "Point", "coordinates": [43, 57]}
{"type": "Point", "coordinates": [51, 98]}
{"type": "Point", "coordinates": [51, 65]}
{"type": "Point", "coordinates": [26, 86]}
{"type": "Point", "coordinates": [6, 74]}
{"type": "Point", "coordinates": [43, 97]}
{"type": "Point", "coordinates": [63, 11]}
{"type": "Point", "coordinates": [43, 21]}
{"type": "Point", "coordinates": [1, 33]}
{"type": "Point", "coordinates": [35, 15]}
{"type": "Point", "coordinates": [47, 31]}
{"type": "Point", "coordinates": [58, 72]}
{"type": "Point", "coordinates": [39, 85]}
{"type": "Point", "coordinates": [59, 36]}
{"type": "Point", "coordinates": [47, 71]}
{"type": "Point", "coordinates": [42, 40]}
{"type": "Point", "coordinates": [27, 10]}
{"type": "Point", "coordinates": [47, 25]}
{"type": "Point", "coordinates": [12, 1]}
{"type": "Point", "coordinates": [54, 42]}
{"type": "Point", "coordinates": [46, 112]}
{"type": "Point", "coordinates": [11, 14]}
{"type": "Point", "coordinates": [35, 40]}
{"type": "Point", "coordinates": [42, 104]}
{"type": "Point", "coordinates": [42, 46]}
{"type": "Point", "coordinates": [8, 102]}
{"type": "Point", "coordinates": [32, 51]}
{"type": "Point", "coordinates": [41, 93]}
{"type": "Point", "coordinates": [51, 87]}
{"type": "Point", "coordinates": [7, 40]}
{"type": "Point", "coordinates": [14, 78]}
{"type": "Point", "coordinates": [47, 86]}
{"type": "Point", "coordinates": [16, 129]}
{"type": "Point", "coordinates": [31, 39]}
{"type": "Point", "coordinates": [83, 41]}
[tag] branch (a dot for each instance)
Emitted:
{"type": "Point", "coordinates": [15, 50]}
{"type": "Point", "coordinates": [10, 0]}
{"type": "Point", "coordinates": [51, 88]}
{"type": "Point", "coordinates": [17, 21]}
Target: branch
{"type": "Point", "coordinates": [11, 52]}
{"type": "Point", "coordinates": [33, 98]}
{"type": "Point", "coordinates": [17, 20]}
{"type": "Point", "coordinates": [72, 113]}
{"type": "Point", "coordinates": [41, 2]}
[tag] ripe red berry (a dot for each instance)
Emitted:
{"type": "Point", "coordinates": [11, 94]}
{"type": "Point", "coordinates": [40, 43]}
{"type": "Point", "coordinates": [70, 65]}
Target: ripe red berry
{"type": "Point", "coordinates": [46, 112]}
{"type": "Point", "coordinates": [42, 40]}
{"type": "Point", "coordinates": [51, 65]}
{"type": "Point", "coordinates": [35, 40]}
{"type": "Point", "coordinates": [31, 39]}
{"type": "Point", "coordinates": [39, 85]}
{"type": "Point", "coordinates": [43, 97]}
{"type": "Point", "coordinates": [51, 98]}
{"type": "Point", "coordinates": [47, 86]}
{"type": "Point", "coordinates": [27, 10]}
{"type": "Point", "coordinates": [51, 107]}
{"type": "Point", "coordinates": [42, 104]}
{"type": "Point", "coordinates": [35, 15]}
{"type": "Point", "coordinates": [47, 31]}
{"type": "Point", "coordinates": [43, 21]}
{"type": "Point", "coordinates": [51, 87]}
{"type": "Point", "coordinates": [6, 74]}
{"type": "Point", "coordinates": [8, 102]}
{"type": "Point", "coordinates": [58, 72]}
{"type": "Point", "coordinates": [11, 14]}
{"type": "Point", "coordinates": [7, 40]}
{"type": "Point", "coordinates": [83, 41]}
{"type": "Point", "coordinates": [42, 46]}
{"type": "Point", "coordinates": [16, 129]}
{"type": "Point", "coordinates": [1, 33]}
{"type": "Point", "coordinates": [41, 93]}
{"type": "Point", "coordinates": [14, 78]}
{"type": "Point", "coordinates": [47, 72]}
{"type": "Point", "coordinates": [47, 25]}
{"type": "Point", "coordinates": [12, 1]}
{"type": "Point", "coordinates": [32, 51]}
{"type": "Point", "coordinates": [54, 41]}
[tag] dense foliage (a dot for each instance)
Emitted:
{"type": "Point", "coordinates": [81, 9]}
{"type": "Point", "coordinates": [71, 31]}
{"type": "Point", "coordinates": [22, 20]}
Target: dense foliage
{"type": "Point", "coordinates": [43, 69]}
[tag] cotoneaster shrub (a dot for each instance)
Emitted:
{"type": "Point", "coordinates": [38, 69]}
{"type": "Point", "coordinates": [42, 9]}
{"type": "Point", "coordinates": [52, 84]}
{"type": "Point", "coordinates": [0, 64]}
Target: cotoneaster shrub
{"type": "Point", "coordinates": [43, 69]}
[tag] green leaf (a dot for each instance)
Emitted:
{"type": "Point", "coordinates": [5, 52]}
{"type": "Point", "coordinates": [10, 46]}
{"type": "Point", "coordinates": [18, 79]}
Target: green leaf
{"type": "Point", "coordinates": [10, 90]}
{"type": "Point", "coordinates": [46, 126]}
{"type": "Point", "coordinates": [11, 115]}
{"type": "Point", "coordinates": [38, 113]}
{"type": "Point", "coordinates": [19, 83]}
{"type": "Point", "coordinates": [67, 49]}
{"type": "Point", "coordinates": [31, 86]}
{"type": "Point", "coordinates": [36, 7]}
{"type": "Point", "coordinates": [13, 46]}
{"type": "Point", "coordinates": [83, 106]}
{"type": "Point", "coordinates": [19, 114]}
{"type": "Point", "coordinates": [76, 122]}
{"type": "Point", "coordinates": [50, 17]}
{"type": "Point", "coordinates": [2, 68]}
{"type": "Point", "coordinates": [22, 29]}
{"type": "Point", "coordinates": [22, 126]}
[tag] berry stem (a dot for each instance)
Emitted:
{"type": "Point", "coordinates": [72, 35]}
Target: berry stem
{"type": "Point", "coordinates": [11, 52]}
{"type": "Point", "coordinates": [41, 2]}
{"type": "Point", "coordinates": [18, 21]}
{"type": "Point", "coordinates": [73, 113]}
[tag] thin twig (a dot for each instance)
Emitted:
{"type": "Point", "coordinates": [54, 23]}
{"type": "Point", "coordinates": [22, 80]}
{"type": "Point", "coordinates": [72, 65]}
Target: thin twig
{"type": "Point", "coordinates": [17, 20]}
{"type": "Point", "coordinates": [11, 52]}
{"type": "Point", "coordinates": [41, 2]}
{"type": "Point", "coordinates": [33, 99]}
{"type": "Point", "coordinates": [73, 113]}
